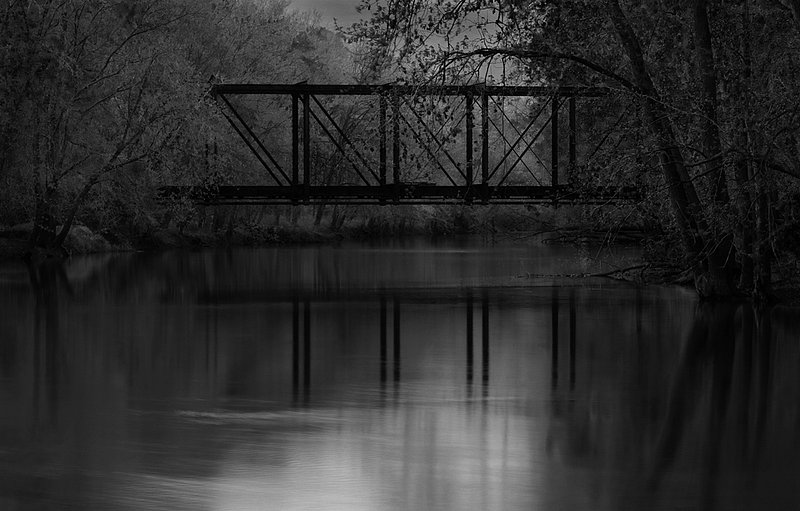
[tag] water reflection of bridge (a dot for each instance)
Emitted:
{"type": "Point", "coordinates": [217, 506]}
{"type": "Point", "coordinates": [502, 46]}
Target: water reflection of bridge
{"type": "Point", "coordinates": [476, 303]}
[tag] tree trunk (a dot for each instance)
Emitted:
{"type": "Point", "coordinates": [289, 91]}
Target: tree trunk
{"type": "Point", "coordinates": [745, 224]}
{"type": "Point", "coordinates": [710, 279]}
{"type": "Point", "coordinates": [744, 173]}
{"type": "Point", "coordinates": [70, 218]}
{"type": "Point", "coordinates": [704, 52]}
{"type": "Point", "coordinates": [721, 255]}
{"type": "Point", "coordinates": [334, 217]}
{"type": "Point", "coordinates": [762, 289]}
{"type": "Point", "coordinates": [43, 234]}
{"type": "Point", "coordinates": [319, 214]}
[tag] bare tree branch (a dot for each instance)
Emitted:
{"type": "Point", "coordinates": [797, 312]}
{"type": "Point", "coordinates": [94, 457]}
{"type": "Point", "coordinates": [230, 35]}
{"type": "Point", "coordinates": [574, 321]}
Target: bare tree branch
{"type": "Point", "coordinates": [530, 54]}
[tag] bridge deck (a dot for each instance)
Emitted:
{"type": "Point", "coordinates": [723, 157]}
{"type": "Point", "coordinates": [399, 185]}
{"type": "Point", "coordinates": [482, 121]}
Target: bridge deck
{"type": "Point", "coordinates": [400, 194]}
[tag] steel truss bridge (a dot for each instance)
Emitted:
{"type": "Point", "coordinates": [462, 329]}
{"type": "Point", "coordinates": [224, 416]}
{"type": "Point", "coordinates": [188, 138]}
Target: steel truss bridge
{"type": "Point", "coordinates": [399, 144]}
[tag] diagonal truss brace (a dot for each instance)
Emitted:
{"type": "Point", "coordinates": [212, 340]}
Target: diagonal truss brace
{"type": "Point", "coordinates": [255, 139]}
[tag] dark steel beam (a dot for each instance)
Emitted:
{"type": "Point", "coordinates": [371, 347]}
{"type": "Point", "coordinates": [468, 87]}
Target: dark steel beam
{"type": "Point", "coordinates": [427, 148]}
{"type": "Point", "coordinates": [396, 140]}
{"type": "Point", "coordinates": [306, 142]}
{"type": "Point", "coordinates": [405, 193]}
{"type": "Point", "coordinates": [382, 140]}
{"type": "Point", "coordinates": [485, 137]}
{"type": "Point", "coordinates": [528, 148]}
{"type": "Point", "coordinates": [255, 138]}
{"type": "Point", "coordinates": [295, 141]}
{"type": "Point", "coordinates": [406, 90]}
{"type": "Point", "coordinates": [500, 131]}
{"type": "Point", "coordinates": [554, 142]}
{"type": "Point", "coordinates": [520, 138]}
{"type": "Point", "coordinates": [339, 147]}
{"type": "Point", "coordinates": [469, 141]}
{"type": "Point", "coordinates": [435, 136]}
{"type": "Point", "coordinates": [345, 138]}
{"type": "Point", "coordinates": [573, 134]}
{"type": "Point", "coordinates": [520, 155]}
{"type": "Point", "coordinates": [252, 148]}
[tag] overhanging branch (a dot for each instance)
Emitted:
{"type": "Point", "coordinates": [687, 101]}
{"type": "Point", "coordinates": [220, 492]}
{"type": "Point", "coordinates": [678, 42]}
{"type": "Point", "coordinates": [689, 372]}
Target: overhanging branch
{"type": "Point", "coordinates": [530, 54]}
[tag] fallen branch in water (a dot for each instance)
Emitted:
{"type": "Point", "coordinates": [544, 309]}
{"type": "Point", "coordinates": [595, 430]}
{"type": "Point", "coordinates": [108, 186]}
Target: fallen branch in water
{"type": "Point", "coordinates": [581, 236]}
{"type": "Point", "coordinates": [618, 274]}
{"type": "Point", "coordinates": [612, 273]}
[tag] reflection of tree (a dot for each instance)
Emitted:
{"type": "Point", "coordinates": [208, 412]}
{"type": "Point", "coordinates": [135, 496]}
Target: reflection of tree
{"type": "Point", "coordinates": [29, 433]}
{"type": "Point", "coordinates": [705, 376]}
{"type": "Point", "coordinates": [73, 375]}
{"type": "Point", "coordinates": [658, 427]}
{"type": "Point", "coordinates": [46, 279]}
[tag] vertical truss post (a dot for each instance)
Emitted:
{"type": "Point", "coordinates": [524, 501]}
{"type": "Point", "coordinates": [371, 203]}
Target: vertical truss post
{"type": "Point", "coordinates": [382, 136]}
{"type": "Point", "coordinates": [470, 125]}
{"type": "Point", "coordinates": [295, 141]}
{"type": "Point", "coordinates": [485, 145]}
{"type": "Point", "coordinates": [554, 141]}
{"type": "Point", "coordinates": [572, 134]}
{"type": "Point", "coordinates": [396, 143]}
{"type": "Point", "coordinates": [306, 144]}
{"type": "Point", "coordinates": [484, 138]}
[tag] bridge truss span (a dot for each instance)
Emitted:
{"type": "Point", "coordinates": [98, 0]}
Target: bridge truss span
{"type": "Point", "coordinates": [400, 144]}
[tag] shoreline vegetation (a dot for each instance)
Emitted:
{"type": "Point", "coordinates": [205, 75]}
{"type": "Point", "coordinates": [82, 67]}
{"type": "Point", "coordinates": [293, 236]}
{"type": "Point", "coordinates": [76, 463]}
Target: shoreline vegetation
{"type": "Point", "coordinates": [286, 226]}
{"type": "Point", "coordinates": [656, 267]}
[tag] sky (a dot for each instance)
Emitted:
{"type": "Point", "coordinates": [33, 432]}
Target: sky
{"type": "Point", "coordinates": [344, 11]}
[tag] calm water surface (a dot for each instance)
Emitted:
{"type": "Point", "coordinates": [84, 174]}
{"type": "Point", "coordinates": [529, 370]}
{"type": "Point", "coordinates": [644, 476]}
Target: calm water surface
{"type": "Point", "coordinates": [411, 377]}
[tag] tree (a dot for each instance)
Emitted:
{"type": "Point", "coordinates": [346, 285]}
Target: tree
{"type": "Point", "coordinates": [104, 97]}
{"type": "Point", "coordinates": [92, 92]}
{"type": "Point", "coordinates": [710, 99]}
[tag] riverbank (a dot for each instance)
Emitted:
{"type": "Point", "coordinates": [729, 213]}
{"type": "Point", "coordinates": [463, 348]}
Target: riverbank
{"type": "Point", "coordinates": [82, 240]}
{"type": "Point", "coordinates": [657, 267]}
{"type": "Point", "coordinates": [231, 227]}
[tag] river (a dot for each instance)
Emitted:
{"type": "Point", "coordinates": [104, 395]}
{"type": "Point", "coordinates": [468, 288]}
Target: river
{"type": "Point", "coordinates": [399, 376]}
